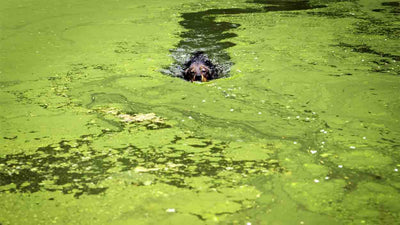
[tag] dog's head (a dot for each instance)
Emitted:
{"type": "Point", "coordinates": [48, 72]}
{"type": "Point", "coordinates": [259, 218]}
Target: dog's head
{"type": "Point", "coordinates": [199, 68]}
{"type": "Point", "coordinates": [198, 71]}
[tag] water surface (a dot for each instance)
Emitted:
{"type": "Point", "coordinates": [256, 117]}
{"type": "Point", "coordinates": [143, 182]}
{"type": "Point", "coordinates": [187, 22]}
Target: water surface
{"type": "Point", "coordinates": [96, 128]}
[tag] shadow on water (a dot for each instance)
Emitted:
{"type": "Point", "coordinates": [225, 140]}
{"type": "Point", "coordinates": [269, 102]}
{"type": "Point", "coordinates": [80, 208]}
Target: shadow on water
{"type": "Point", "coordinates": [204, 33]}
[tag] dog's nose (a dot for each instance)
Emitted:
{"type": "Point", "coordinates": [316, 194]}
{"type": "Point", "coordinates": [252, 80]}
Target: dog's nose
{"type": "Point", "coordinates": [198, 76]}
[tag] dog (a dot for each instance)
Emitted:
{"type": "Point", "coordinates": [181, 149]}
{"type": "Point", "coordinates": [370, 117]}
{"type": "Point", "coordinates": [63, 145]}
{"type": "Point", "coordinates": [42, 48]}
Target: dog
{"type": "Point", "coordinates": [199, 68]}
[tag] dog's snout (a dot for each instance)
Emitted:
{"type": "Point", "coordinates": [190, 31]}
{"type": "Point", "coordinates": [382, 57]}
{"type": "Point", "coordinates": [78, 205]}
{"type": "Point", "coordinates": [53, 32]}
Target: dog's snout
{"type": "Point", "coordinates": [199, 68]}
{"type": "Point", "coordinates": [197, 77]}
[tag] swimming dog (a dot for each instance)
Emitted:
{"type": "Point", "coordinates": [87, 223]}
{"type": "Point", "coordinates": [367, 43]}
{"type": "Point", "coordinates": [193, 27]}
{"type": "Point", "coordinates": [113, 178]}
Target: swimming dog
{"type": "Point", "coordinates": [199, 68]}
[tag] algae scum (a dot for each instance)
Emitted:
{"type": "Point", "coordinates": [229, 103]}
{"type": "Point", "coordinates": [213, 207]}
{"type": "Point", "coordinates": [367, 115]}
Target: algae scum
{"type": "Point", "coordinates": [302, 128]}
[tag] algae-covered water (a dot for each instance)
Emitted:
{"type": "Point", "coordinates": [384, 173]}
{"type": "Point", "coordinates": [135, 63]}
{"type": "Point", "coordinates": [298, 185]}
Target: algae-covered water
{"type": "Point", "coordinates": [302, 128]}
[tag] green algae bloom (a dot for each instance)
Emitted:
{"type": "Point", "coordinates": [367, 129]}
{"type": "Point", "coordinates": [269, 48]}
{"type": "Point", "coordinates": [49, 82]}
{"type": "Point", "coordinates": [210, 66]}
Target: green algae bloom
{"type": "Point", "coordinates": [301, 128]}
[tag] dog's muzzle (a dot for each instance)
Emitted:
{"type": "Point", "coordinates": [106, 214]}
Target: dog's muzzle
{"type": "Point", "coordinates": [199, 77]}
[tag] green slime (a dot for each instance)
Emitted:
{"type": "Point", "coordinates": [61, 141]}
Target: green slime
{"type": "Point", "coordinates": [305, 130]}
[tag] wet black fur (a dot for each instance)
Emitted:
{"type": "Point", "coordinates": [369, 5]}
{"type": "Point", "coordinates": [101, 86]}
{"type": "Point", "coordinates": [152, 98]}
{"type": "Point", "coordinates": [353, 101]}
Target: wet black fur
{"type": "Point", "coordinates": [200, 57]}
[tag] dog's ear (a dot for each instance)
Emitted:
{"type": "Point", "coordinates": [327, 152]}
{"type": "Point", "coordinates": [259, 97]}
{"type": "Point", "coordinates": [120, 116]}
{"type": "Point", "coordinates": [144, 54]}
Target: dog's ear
{"type": "Point", "coordinates": [186, 74]}
{"type": "Point", "coordinates": [214, 72]}
{"type": "Point", "coordinates": [210, 64]}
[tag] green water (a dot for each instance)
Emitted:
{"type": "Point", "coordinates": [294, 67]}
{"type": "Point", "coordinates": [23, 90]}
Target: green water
{"type": "Point", "coordinates": [304, 129]}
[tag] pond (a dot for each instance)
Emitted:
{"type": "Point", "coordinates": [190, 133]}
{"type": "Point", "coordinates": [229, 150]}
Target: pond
{"type": "Point", "coordinates": [302, 127]}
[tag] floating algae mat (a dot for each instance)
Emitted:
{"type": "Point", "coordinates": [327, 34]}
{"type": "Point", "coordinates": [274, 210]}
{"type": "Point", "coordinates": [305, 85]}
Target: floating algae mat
{"type": "Point", "coordinates": [302, 128]}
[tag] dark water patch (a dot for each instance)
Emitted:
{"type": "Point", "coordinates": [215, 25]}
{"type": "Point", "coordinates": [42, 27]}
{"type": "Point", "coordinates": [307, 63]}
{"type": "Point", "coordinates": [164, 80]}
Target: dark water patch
{"type": "Point", "coordinates": [75, 167]}
{"type": "Point", "coordinates": [377, 27]}
{"type": "Point", "coordinates": [367, 49]}
{"type": "Point", "coordinates": [293, 5]}
{"type": "Point", "coordinates": [355, 176]}
{"type": "Point", "coordinates": [395, 4]}
{"type": "Point", "coordinates": [378, 10]}
{"type": "Point", "coordinates": [392, 7]}
{"type": "Point", "coordinates": [62, 167]}
{"type": "Point", "coordinates": [173, 164]}
{"type": "Point", "coordinates": [389, 7]}
{"type": "Point", "coordinates": [72, 167]}
{"type": "Point", "coordinates": [340, 75]}
{"type": "Point", "coordinates": [333, 14]}
{"type": "Point", "coordinates": [384, 25]}
{"type": "Point", "coordinates": [204, 33]}
{"type": "Point", "coordinates": [385, 63]}
{"type": "Point", "coordinates": [11, 137]}
{"type": "Point", "coordinates": [343, 9]}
